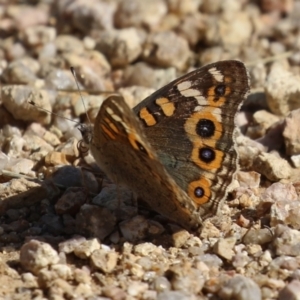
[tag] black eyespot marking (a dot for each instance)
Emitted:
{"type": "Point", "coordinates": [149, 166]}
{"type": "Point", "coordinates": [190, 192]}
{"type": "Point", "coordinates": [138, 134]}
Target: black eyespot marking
{"type": "Point", "coordinates": [207, 155]}
{"type": "Point", "coordinates": [199, 192]}
{"type": "Point", "coordinates": [205, 128]}
{"type": "Point", "coordinates": [220, 89]}
{"type": "Point", "coordinates": [141, 147]}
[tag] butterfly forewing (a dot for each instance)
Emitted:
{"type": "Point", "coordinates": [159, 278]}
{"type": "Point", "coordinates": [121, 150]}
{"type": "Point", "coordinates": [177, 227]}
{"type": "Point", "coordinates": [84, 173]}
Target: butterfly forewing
{"type": "Point", "coordinates": [192, 129]}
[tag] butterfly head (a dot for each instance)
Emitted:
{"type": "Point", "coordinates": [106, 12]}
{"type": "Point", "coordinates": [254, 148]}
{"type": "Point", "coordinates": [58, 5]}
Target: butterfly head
{"type": "Point", "coordinates": [87, 137]}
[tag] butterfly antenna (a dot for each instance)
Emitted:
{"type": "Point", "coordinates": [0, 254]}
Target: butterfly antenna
{"type": "Point", "coordinates": [76, 80]}
{"type": "Point", "coordinates": [50, 112]}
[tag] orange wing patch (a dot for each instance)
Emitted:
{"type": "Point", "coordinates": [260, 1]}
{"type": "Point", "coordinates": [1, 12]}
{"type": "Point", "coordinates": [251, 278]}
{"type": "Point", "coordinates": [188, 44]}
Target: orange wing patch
{"type": "Point", "coordinates": [147, 117]}
{"type": "Point", "coordinates": [166, 105]}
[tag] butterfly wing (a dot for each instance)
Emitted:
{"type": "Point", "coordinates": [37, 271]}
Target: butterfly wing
{"type": "Point", "coordinates": [121, 149]}
{"type": "Point", "coordinates": [190, 125]}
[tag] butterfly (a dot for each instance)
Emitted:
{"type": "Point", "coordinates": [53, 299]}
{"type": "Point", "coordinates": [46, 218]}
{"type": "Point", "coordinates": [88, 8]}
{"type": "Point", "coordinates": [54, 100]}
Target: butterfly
{"type": "Point", "coordinates": [175, 149]}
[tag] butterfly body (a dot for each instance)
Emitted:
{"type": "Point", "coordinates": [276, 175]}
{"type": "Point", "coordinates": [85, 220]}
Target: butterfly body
{"type": "Point", "coordinates": [176, 148]}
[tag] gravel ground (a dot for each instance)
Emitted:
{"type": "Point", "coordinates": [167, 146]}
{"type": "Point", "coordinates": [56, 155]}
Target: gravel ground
{"type": "Point", "coordinates": [66, 231]}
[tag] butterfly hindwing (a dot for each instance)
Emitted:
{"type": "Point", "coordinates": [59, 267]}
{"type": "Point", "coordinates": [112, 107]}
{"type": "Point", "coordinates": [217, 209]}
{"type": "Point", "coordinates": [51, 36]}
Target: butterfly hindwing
{"type": "Point", "coordinates": [121, 149]}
